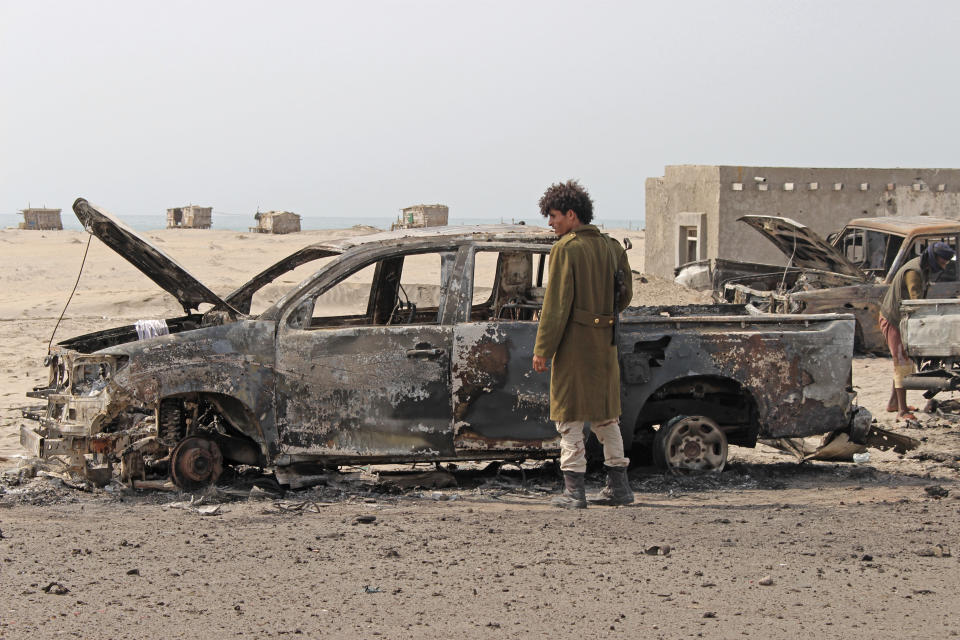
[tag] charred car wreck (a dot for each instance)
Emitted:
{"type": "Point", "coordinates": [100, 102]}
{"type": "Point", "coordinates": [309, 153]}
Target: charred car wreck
{"type": "Point", "coordinates": [848, 273]}
{"type": "Point", "coordinates": [414, 345]}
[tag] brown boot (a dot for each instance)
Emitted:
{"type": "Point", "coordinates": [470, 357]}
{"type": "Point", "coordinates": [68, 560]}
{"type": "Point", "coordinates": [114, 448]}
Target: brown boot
{"type": "Point", "coordinates": [617, 491]}
{"type": "Point", "coordinates": [574, 492]}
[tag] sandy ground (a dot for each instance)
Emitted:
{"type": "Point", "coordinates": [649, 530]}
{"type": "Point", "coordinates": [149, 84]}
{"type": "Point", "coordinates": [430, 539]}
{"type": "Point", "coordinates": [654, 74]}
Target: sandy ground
{"type": "Point", "coordinates": [767, 548]}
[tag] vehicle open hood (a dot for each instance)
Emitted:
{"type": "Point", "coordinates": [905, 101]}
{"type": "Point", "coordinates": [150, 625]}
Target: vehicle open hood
{"type": "Point", "coordinates": [802, 246]}
{"type": "Point", "coordinates": [150, 260]}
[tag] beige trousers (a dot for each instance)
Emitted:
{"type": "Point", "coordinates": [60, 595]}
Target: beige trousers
{"type": "Point", "coordinates": [573, 456]}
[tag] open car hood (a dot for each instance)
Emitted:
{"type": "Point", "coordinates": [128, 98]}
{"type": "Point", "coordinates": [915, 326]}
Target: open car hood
{"type": "Point", "coordinates": [802, 246]}
{"type": "Point", "coordinates": [150, 260]}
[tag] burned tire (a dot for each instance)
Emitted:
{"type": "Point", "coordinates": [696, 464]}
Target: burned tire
{"type": "Point", "coordinates": [690, 444]}
{"type": "Point", "coordinates": [195, 463]}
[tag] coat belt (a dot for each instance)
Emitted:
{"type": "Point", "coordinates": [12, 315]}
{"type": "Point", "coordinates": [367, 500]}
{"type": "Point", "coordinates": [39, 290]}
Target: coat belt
{"type": "Point", "coordinates": [589, 319]}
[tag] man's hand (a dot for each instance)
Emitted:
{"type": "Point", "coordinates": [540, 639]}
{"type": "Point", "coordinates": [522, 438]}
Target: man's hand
{"type": "Point", "coordinates": [539, 364]}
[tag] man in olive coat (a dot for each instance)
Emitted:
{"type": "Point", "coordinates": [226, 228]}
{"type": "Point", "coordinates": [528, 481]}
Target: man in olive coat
{"type": "Point", "coordinates": [909, 283]}
{"type": "Point", "coordinates": [576, 333]}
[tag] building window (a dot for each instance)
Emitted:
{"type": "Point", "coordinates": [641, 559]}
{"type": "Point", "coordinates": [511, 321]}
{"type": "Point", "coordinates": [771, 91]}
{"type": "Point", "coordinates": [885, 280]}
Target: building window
{"type": "Point", "coordinates": [814, 186]}
{"type": "Point", "coordinates": [838, 186]}
{"type": "Point", "coordinates": [689, 244]}
{"type": "Point", "coordinates": [864, 186]}
{"type": "Point", "coordinates": [788, 186]}
{"type": "Point", "coordinates": [941, 187]}
{"type": "Point", "coordinates": [762, 186]}
{"type": "Point", "coordinates": [738, 186]}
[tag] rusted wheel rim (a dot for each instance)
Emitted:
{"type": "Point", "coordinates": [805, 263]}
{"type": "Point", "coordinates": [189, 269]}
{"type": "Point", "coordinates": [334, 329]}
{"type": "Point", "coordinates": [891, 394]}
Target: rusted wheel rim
{"type": "Point", "coordinates": [695, 443]}
{"type": "Point", "coordinates": [195, 463]}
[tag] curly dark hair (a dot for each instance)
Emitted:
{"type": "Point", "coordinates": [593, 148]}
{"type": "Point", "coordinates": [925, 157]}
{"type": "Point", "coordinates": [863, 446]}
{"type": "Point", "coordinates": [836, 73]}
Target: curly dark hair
{"type": "Point", "coordinates": [566, 196]}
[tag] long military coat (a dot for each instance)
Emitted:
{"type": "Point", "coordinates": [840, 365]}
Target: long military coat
{"type": "Point", "coordinates": [900, 290]}
{"type": "Point", "coordinates": [576, 325]}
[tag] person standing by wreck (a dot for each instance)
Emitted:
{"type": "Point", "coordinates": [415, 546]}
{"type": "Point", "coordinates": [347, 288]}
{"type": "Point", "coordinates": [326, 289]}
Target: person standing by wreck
{"type": "Point", "coordinates": [909, 283]}
{"type": "Point", "coordinates": [576, 332]}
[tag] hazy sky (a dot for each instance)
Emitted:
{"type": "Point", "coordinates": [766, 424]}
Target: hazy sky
{"type": "Point", "coordinates": [360, 108]}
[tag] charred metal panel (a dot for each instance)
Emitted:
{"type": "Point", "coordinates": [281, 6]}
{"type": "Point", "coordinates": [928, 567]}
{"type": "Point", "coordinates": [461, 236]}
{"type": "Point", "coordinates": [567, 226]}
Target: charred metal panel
{"type": "Point", "coordinates": [498, 401]}
{"type": "Point", "coordinates": [365, 391]}
{"type": "Point", "coordinates": [796, 372]}
{"type": "Point", "coordinates": [150, 260]}
{"type": "Point", "coordinates": [635, 364]}
{"type": "Point", "coordinates": [803, 247]}
{"type": "Point", "coordinates": [234, 360]}
{"type": "Point", "coordinates": [931, 328]}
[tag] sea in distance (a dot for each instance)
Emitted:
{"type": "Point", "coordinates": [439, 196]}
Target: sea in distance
{"type": "Point", "coordinates": [242, 222]}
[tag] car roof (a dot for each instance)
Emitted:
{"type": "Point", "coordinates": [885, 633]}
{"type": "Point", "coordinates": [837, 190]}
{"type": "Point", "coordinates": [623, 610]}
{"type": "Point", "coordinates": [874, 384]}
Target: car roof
{"type": "Point", "coordinates": [456, 234]}
{"type": "Point", "coordinates": [904, 225]}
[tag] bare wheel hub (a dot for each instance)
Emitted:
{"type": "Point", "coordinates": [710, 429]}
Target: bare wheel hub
{"type": "Point", "coordinates": [693, 443]}
{"type": "Point", "coordinates": [692, 449]}
{"type": "Point", "coordinates": [195, 462]}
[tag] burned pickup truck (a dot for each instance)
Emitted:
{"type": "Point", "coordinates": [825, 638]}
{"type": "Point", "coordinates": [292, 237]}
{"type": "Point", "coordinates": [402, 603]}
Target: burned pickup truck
{"type": "Point", "coordinates": [413, 345]}
{"type": "Point", "coordinates": [849, 273]}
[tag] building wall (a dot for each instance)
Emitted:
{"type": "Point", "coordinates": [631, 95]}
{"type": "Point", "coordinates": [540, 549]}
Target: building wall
{"type": "Point", "coordinates": [682, 189]}
{"type": "Point", "coordinates": [283, 223]}
{"type": "Point", "coordinates": [423, 215]}
{"type": "Point", "coordinates": [191, 217]}
{"type": "Point", "coordinates": [41, 219]}
{"type": "Point", "coordinates": [809, 195]}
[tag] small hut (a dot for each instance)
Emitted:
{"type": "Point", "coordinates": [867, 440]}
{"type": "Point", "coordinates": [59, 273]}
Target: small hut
{"type": "Point", "coordinates": [41, 219]}
{"type": "Point", "coordinates": [276, 222]}
{"type": "Point", "coordinates": [190, 217]}
{"type": "Point", "coordinates": [422, 215]}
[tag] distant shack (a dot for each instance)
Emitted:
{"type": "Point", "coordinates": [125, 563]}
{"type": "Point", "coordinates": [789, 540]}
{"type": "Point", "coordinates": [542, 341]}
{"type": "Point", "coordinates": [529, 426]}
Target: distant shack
{"type": "Point", "coordinates": [276, 222]}
{"type": "Point", "coordinates": [40, 219]}
{"type": "Point", "coordinates": [190, 217]}
{"type": "Point", "coordinates": [422, 215]}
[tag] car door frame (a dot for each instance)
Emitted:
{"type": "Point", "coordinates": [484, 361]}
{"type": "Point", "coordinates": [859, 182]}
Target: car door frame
{"type": "Point", "coordinates": [378, 392]}
{"type": "Point", "coordinates": [500, 404]}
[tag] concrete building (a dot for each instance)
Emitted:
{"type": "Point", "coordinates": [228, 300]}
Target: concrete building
{"type": "Point", "coordinates": [276, 222]}
{"type": "Point", "coordinates": [692, 211]}
{"type": "Point", "coordinates": [422, 215]}
{"type": "Point", "coordinates": [190, 217]}
{"type": "Point", "coordinates": [41, 219]}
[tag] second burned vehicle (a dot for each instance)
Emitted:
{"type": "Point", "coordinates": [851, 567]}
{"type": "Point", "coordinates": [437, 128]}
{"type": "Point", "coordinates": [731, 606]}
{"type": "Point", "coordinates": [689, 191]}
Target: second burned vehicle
{"type": "Point", "coordinates": [848, 273]}
{"type": "Point", "coordinates": [414, 345]}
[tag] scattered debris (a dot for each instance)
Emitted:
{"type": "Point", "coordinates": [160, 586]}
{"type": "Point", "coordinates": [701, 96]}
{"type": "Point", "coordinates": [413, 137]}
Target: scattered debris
{"type": "Point", "coordinates": [300, 507]}
{"type": "Point", "coordinates": [259, 493]}
{"type": "Point", "coordinates": [296, 479]}
{"type": "Point", "coordinates": [765, 581]}
{"type": "Point", "coordinates": [936, 491]}
{"type": "Point", "coordinates": [658, 550]}
{"type": "Point", "coordinates": [365, 519]}
{"type": "Point", "coordinates": [368, 589]}
{"type": "Point", "coordinates": [56, 589]}
{"type": "Point", "coordinates": [428, 480]}
{"type": "Point", "coordinates": [937, 551]}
